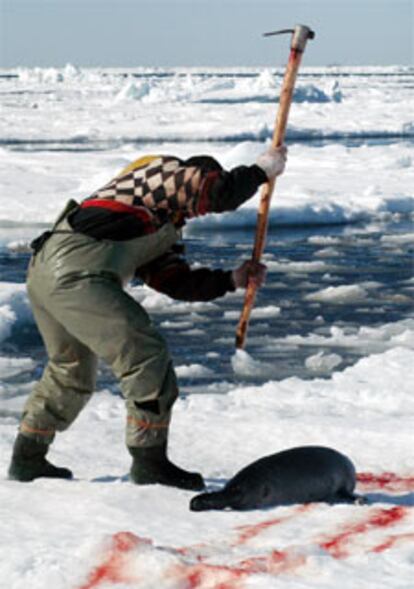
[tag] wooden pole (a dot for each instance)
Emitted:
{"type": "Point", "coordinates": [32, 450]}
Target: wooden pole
{"type": "Point", "coordinates": [300, 36]}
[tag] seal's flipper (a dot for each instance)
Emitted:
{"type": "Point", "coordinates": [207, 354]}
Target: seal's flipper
{"type": "Point", "coordinates": [360, 500]}
{"type": "Point", "coordinates": [347, 497]}
{"type": "Point", "coordinates": [206, 501]}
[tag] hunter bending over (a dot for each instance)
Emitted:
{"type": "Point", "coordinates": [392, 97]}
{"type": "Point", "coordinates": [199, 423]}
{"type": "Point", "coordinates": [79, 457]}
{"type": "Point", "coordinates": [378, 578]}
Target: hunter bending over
{"type": "Point", "coordinates": [128, 228]}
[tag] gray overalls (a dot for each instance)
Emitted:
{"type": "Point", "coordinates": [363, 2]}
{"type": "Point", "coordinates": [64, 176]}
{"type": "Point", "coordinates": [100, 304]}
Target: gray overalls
{"type": "Point", "coordinates": [75, 285]}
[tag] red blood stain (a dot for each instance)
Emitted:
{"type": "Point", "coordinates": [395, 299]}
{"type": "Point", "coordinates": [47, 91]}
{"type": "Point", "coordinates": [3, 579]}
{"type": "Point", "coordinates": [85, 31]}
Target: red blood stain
{"type": "Point", "coordinates": [391, 541]}
{"type": "Point", "coordinates": [285, 561]}
{"type": "Point", "coordinates": [113, 568]}
{"type": "Point", "coordinates": [380, 518]}
{"type": "Point", "coordinates": [388, 481]}
{"type": "Point", "coordinates": [198, 574]}
{"type": "Point", "coordinates": [209, 576]}
{"type": "Point", "coordinates": [249, 532]}
{"type": "Point", "coordinates": [197, 552]}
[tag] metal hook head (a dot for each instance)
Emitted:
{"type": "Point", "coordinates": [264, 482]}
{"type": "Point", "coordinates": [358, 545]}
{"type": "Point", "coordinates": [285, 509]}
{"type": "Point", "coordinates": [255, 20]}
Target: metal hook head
{"type": "Point", "coordinates": [300, 33]}
{"type": "Point", "coordinates": [281, 32]}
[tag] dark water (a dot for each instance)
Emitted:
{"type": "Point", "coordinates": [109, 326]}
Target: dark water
{"type": "Point", "coordinates": [371, 256]}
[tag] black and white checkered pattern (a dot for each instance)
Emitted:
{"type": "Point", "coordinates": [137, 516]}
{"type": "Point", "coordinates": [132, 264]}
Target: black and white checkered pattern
{"type": "Point", "coordinates": [162, 184]}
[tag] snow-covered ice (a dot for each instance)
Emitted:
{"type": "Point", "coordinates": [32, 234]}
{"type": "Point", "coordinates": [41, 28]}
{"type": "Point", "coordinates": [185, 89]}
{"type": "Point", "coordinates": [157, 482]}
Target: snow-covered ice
{"type": "Point", "coordinates": [336, 316]}
{"type": "Point", "coordinates": [190, 112]}
{"type": "Point", "coordinates": [339, 294]}
{"type": "Point", "coordinates": [321, 362]}
{"type": "Point", "coordinates": [365, 411]}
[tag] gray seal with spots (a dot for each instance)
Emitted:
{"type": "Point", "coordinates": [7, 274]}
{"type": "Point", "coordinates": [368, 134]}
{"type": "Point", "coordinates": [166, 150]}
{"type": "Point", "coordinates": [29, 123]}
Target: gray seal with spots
{"type": "Point", "coordinates": [299, 475]}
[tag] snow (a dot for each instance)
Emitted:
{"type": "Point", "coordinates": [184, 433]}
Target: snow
{"type": "Point", "coordinates": [13, 303]}
{"type": "Point", "coordinates": [353, 293]}
{"type": "Point", "coordinates": [65, 132]}
{"type": "Point", "coordinates": [403, 239]}
{"type": "Point", "coordinates": [258, 313]}
{"type": "Point", "coordinates": [193, 371]}
{"type": "Point", "coordinates": [371, 339]}
{"type": "Point", "coordinates": [69, 526]}
{"type": "Point", "coordinates": [323, 362]}
{"type": "Point", "coordinates": [297, 267]}
{"type": "Point", "coordinates": [12, 366]}
{"type": "Point", "coordinates": [243, 364]}
{"type": "Point", "coordinates": [190, 111]}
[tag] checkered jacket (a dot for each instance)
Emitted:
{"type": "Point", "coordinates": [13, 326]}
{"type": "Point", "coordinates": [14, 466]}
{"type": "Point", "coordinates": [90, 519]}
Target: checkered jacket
{"type": "Point", "coordinates": [166, 187]}
{"type": "Point", "coordinates": [155, 189]}
{"type": "Point", "coordinates": [159, 184]}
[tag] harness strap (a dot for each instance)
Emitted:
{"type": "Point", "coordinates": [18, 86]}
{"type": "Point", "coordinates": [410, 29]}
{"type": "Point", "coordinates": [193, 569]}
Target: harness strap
{"type": "Point", "coordinates": [40, 241]}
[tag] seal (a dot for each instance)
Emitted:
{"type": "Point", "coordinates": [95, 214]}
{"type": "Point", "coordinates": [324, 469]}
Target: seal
{"type": "Point", "coordinates": [298, 475]}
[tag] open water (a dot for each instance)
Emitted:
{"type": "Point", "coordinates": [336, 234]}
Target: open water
{"type": "Point", "coordinates": [373, 258]}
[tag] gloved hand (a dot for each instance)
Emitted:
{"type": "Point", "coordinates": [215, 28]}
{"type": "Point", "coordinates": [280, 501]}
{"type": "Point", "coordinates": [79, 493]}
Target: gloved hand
{"type": "Point", "coordinates": [273, 161]}
{"type": "Point", "coordinates": [249, 270]}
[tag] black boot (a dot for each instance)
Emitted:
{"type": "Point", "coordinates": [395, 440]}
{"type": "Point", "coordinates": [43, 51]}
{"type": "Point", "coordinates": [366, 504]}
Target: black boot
{"type": "Point", "coordinates": [29, 462]}
{"type": "Point", "coordinates": [151, 465]}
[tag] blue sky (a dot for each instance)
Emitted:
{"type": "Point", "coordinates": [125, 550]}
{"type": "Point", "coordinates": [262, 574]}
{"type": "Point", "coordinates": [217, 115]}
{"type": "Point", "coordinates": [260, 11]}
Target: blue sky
{"type": "Point", "coordinates": [201, 32]}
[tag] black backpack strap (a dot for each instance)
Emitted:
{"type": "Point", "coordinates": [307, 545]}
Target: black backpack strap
{"type": "Point", "coordinates": [40, 241]}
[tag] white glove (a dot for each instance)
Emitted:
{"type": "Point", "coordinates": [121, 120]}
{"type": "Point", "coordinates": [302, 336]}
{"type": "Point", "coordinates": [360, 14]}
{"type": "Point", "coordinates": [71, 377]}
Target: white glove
{"type": "Point", "coordinates": [273, 161]}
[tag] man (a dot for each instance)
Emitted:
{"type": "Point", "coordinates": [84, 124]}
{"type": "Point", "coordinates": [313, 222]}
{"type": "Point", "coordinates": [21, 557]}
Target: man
{"type": "Point", "coordinates": [75, 284]}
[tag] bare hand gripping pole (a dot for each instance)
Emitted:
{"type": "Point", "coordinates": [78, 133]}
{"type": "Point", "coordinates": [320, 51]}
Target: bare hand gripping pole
{"type": "Point", "coordinates": [300, 36]}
